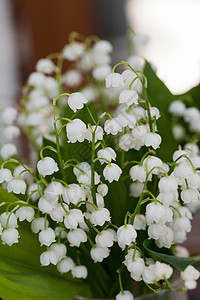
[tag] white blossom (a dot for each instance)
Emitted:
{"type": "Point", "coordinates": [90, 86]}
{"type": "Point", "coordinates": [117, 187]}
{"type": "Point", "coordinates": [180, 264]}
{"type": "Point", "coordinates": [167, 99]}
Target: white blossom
{"type": "Point", "coordinates": [9, 115]}
{"type": "Point", "coordinates": [47, 237]}
{"type": "Point", "coordinates": [99, 253]}
{"type": "Point", "coordinates": [5, 175]}
{"type": "Point", "coordinates": [76, 101]}
{"type": "Point", "coordinates": [76, 237]}
{"type": "Point", "coordinates": [10, 236]}
{"type": "Point", "coordinates": [126, 235]}
{"type": "Point", "coordinates": [112, 172]}
{"type": "Point", "coordinates": [38, 224]}
{"type": "Point", "coordinates": [79, 272]}
{"type": "Point", "coordinates": [48, 257]}
{"type": "Point", "coordinates": [100, 216]}
{"type": "Point", "coordinates": [114, 80]}
{"type": "Point", "coordinates": [8, 150]}
{"type": "Point", "coordinates": [128, 97]}
{"type": "Point", "coordinates": [45, 65]}
{"type": "Point", "coordinates": [65, 265]}
{"type": "Point", "coordinates": [47, 166]}
{"type": "Point", "coordinates": [73, 51]}
{"type": "Point", "coordinates": [76, 131]}
{"type": "Point", "coordinates": [108, 153]}
{"type": "Point", "coordinates": [17, 186]}
{"type": "Point", "coordinates": [73, 194]}
{"type": "Point", "coordinates": [125, 296]}
{"type": "Point", "coordinates": [112, 126]}
{"type": "Point", "coordinates": [25, 213]}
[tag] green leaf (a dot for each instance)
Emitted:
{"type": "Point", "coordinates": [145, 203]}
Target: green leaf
{"type": "Point", "coordinates": [160, 96]}
{"type": "Point", "coordinates": [116, 201]}
{"type": "Point", "coordinates": [165, 255]}
{"type": "Point", "coordinates": [21, 275]}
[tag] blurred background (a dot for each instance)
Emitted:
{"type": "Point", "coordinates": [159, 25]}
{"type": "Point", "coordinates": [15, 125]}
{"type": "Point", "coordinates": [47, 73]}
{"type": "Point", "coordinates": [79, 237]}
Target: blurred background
{"type": "Point", "coordinates": [167, 34]}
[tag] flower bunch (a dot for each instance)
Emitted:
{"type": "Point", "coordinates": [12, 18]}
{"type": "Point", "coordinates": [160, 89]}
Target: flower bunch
{"type": "Point", "coordinates": [99, 194]}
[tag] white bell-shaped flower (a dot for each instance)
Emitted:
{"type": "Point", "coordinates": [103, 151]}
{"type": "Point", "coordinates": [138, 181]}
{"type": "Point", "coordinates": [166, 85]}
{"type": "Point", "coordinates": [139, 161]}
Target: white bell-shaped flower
{"type": "Point", "coordinates": [163, 270]}
{"type": "Point", "coordinates": [47, 166]}
{"type": "Point", "coordinates": [182, 224]}
{"type": "Point", "coordinates": [8, 150]}
{"type": "Point", "coordinates": [76, 131]}
{"type": "Point", "coordinates": [136, 189]}
{"type": "Point", "coordinates": [36, 79]}
{"type": "Point", "coordinates": [100, 216]}
{"type": "Point", "coordinates": [65, 265]}
{"type": "Point", "coordinates": [149, 275]}
{"type": "Point", "coordinates": [126, 235]}
{"type": "Point", "coordinates": [98, 133]}
{"type": "Point", "coordinates": [47, 237]}
{"type": "Point", "coordinates": [125, 296]}
{"type": "Point", "coordinates": [10, 236]}
{"type": "Point", "coordinates": [11, 132]}
{"type": "Point", "coordinates": [138, 173]}
{"type": "Point", "coordinates": [152, 163]}
{"type": "Point", "coordinates": [112, 172]}
{"type": "Point", "coordinates": [177, 108]}
{"type": "Point", "coordinates": [76, 237]}
{"type": "Point", "coordinates": [99, 253]}
{"type": "Point", "coordinates": [140, 222]}
{"type": "Point", "coordinates": [156, 230]}
{"type": "Point", "coordinates": [9, 115]}
{"type": "Point", "coordinates": [76, 101]}
{"type": "Point", "coordinates": [59, 249]}
{"type": "Point", "coordinates": [180, 251]}
{"type": "Point", "coordinates": [80, 272]}
{"type": "Point", "coordinates": [57, 213]}
{"type": "Point", "coordinates": [112, 126]}
{"type": "Point", "coordinates": [107, 153]}
{"type": "Point", "coordinates": [45, 65]}
{"type": "Point", "coordinates": [73, 194]}
{"type": "Point", "coordinates": [21, 173]}
{"type": "Point", "coordinates": [100, 72]}
{"type": "Point", "coordinates": [45, 206]}
{"type": "Point", "coordinates": [139, 134]}
{"type": "Point", "coordinates": [25, 213]}
{"type": "Point", "coordinates": [73, 51]}
{"type": "Point", "coordinates": [153, 140]}
{"type": "Point", "coordinates": [74, 217]}
{"type": "Point", "coordinates": [17, 186]}
{"type": "Point", "coordinates": [168, 185]}
{"type": "Point", "coordinates": [5, 175]}
{"type": "Point", "coordinates": [33, 188]}
{"type": "Point", "coordinates": [136, 267]}
{"type": "Point", "coordinates": [12, 223]}
{"type": "Point", "coordinates": [38, 224]}
{"type": "Point", "coordinates": [167, 198]}
{"type": "Point", "coordinates": [167, 239]}
{"type": "Point", "coordinates": [53, 191]}
{"type": "Point", "coordinates": [194, 181]}
{"type": "Point", "coordinates": [126, 142]}
{"type": "Point", "coordinates": [189, 195]}
{"type": "Point", "coordinates": [190, 273]}
{"type": "Point", "coordinates": [127, 119]}
{"type": "Point", "coordinates": [155, 213]}
{"type": "Point", "coordinates": [85, 175]}
{"type": "Point", "coordinates": [48, 257]}
{"type": "Point", "coordinates": [183, 170]}
{"type": "Point", "coordinates": [114, 80]}
{"type": "Point", "coordinates": [102, 189]}
{"type": "Point", "coordinates": [73, 79]}
{"type": "Point", "coordinates": [103, 46]}
{"type": "Point", "coordinates": [128, 97]}
{"type": "Point", "coordinates": [105, 238]}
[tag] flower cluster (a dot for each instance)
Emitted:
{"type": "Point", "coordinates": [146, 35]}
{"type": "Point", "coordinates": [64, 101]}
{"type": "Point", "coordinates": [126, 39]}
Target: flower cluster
{"type": "Point", "coordinates": [69, 201]}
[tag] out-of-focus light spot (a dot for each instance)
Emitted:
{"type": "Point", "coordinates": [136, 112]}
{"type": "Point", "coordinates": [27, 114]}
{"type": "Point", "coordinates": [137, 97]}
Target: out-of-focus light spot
{"type": "Point", "coordinates": [173, 27]}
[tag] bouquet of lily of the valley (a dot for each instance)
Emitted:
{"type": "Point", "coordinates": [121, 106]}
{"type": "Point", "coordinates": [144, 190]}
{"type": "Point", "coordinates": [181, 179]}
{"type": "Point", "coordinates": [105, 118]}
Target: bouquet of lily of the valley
{"type": "Point", "coordinates": [108, 196]}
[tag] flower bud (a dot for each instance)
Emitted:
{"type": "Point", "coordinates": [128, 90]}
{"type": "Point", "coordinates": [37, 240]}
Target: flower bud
{"type": "Point", "coordinates": [8, 150]}
{"type": "Point", "coordinates": [126, 296]}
